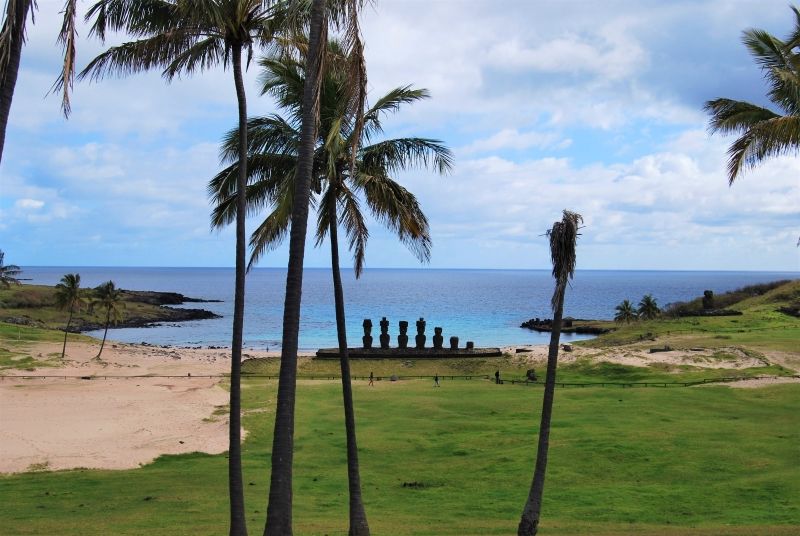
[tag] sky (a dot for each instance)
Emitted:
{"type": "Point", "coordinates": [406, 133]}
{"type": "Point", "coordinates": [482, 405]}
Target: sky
{"type": "Point", "coordinates": [595, 107]}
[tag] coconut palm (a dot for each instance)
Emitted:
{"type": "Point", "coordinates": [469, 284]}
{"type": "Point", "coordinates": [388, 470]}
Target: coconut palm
{"type": "Point", "coordinates": [186, 36]}
{"type": "Point", "coordinates": [648, 308]}
{"type": "Point", "coordinates": [625, 312]}
{"type": "Point", "coordinates": [108, 297]}
{"type": "Point", "coordinates": [273, 158]}
{"type": "Point", "coordinates": [342, 14]}
{"type": "Point", "coordinates": [764, 133]}
{"type": "Point", "coordinates": [12, 37]}
{"type": "Point", "coordinates": [68, 297]}
{"type": "Point", "coordinates": [563, 237]}
{"type": "Point", "coordinates": [8, 272]}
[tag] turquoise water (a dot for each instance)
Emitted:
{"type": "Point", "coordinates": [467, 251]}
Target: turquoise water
{"type": "Point", "coordinates": [484, 306]}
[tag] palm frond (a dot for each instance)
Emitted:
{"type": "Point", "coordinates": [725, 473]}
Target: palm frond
{"type": "Point", "coordinates": [563, 237]}
{"type": "Point", "coordinates": [66, 38]}
{"type": "Point", "coordinates": [139, 56]}
{"type": "Point", "coordinates": [772, 137]}
{"type": "Point", "coordinates": [267, 174]}
{"type": "Point", "coordinates": [202, 55]}
{"type": "Point", "coordinates": [274, 228]}
{"type": "Point", "coordinates": [404, 153]}
{"type": "Point", "coordinates": [730, 116]}
{"type": "Point", "coordinates": [270, 134]}
{"type": "Point", "coordinates": [138, 19]}
{"type": "Point", "coordinates": [397, 209]}
{"type": "Point", "coordinates": [352, 221]}
{"type": "Point", "coordinates": [390, 103]}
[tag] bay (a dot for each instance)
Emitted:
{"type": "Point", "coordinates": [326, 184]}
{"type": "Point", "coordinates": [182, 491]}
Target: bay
{"type": "Point", "coordinates": [484, 306]}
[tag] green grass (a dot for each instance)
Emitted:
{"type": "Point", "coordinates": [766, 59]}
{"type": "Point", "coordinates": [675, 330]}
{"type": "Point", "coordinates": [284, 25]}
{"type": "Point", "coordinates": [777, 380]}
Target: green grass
{"type": "Point", "coordinates": [708, 460]}
{"type": "Point", "coordinates": [760, 327]}
{"type": "Point", "coordinates": [15, 346]}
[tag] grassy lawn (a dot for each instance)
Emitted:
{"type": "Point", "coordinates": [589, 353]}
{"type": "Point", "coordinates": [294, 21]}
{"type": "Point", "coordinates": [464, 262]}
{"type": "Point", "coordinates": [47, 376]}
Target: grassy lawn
{"type": "Point", "coordinates": [15, 344]}
{"type": "Point", "coordinates": [708, 460]}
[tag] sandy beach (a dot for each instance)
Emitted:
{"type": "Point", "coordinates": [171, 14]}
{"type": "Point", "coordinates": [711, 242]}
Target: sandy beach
{"type": "Point", "coordinates": [141, 401]}
{"type": "Point", "coordinates": [119, 419]}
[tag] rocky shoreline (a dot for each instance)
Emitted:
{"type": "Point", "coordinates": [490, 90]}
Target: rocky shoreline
{"type": "Point", "coordinates": [568, 326]}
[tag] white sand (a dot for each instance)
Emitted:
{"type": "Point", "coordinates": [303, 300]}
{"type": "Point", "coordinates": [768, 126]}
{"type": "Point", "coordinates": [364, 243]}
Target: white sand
{"type": "Point", "coordinates": [114, 423]}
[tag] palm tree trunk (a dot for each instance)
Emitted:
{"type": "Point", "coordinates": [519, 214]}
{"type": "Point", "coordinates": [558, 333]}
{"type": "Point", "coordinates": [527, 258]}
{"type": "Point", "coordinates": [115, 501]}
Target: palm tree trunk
{"type": "Point", "coordinates": [9, 81]}
{"type": "Point", "coordinates": [279, 506]}
{"type": "Point", "coordinates": [529, 524]}
{"type": "Point", "coordinates": [358, 516]}
{"type": "Point", "coordinates": [238, 522]}
{"type": "Point", "coordinates": [66, 331]}
{"type": "Point", "coordinates": [105, 333]}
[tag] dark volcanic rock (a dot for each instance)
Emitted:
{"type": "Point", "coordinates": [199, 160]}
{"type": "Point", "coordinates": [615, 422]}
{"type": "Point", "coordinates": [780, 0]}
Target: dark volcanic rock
{"type": "Point", "coordinates": [161, 298]}
{"type": "Point", "coordinates": [166, 314]}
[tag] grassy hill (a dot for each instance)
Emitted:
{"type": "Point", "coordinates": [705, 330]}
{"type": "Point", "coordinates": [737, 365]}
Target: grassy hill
{"type": "Point", "coordinates": [35, 305]}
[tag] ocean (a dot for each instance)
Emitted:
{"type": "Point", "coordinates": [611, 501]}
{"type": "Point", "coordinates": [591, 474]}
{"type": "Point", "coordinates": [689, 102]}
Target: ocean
{"type": "Point", "coordinates": [483, 306]}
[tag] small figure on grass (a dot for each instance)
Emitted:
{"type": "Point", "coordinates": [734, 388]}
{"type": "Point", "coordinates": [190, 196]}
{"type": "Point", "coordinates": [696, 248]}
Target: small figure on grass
{"type": "Point", "coordinates": [436, 380]}
{"type": "Point", "coordinates": [371, 379]}
{"type": "Point", "coordinates": [531, 375]}
{"type": "Point", "coordinates": [497, 377]}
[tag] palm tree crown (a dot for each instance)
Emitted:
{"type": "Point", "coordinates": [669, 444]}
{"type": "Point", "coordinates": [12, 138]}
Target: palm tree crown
{"type": "Point", "coordinates": [625, 312]}
{"type": "Point", "coordinates": [8, 272]}
{"type": "Point", "coordinates": [648, 308]}
{"type": "Point", "coordinates": [273, 155]}
{"type": "Point", "coordinates": [764, 133]}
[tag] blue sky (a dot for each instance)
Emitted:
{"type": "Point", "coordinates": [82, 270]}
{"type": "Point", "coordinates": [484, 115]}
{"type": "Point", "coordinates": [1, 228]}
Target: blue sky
{"type": "Point", "coordinates": [591, 106]}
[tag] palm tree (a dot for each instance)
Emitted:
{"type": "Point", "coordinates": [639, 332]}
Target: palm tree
{"type": "Point", "coordinates": [343, 14]}
{"type": "Point", "coordinates": [68, 297]}
{"type": "Point", "coordinates": [625, 312]}
{"type": "Point", "coordinates": [563, 237]}
{"type": "Point", "coordinates": [12, 37]}
{"type": "Point", "coordinates": [764, 133]}
{"type": "Point", "coordinates": [648, 308]}
{"type": "Point", "coordinates": [273, 155]}
{"type": "Point", "coordinates": [186, 36]}
{"type": "Point", "coordinates": [108, 297]}
{"type": "Point", "coordinates": [8, 273]}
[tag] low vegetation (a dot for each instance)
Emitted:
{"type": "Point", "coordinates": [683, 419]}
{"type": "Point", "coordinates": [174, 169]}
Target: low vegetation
{"type": "Point", "coordinates": [37, 305]}
{"type": "Point", "coordinates": [457, 460]}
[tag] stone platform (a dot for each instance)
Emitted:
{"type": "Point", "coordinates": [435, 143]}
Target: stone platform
{"type": "Point", "coordinates": [409, 353]}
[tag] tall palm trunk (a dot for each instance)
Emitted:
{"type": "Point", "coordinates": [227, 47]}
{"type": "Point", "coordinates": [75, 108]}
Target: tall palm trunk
{"type": "Point", "coordinates": [279, 506]}
{"type": "Point", "coordinates": [105, 333]}
{"type": "Point", "coordinates": [238, 522]}
{"type": "Point", "coordinates": [563, 237]}
{"type": "Point", "coordinates": [66, 330]}
{"type": "Point", "coordinates": [529, 524]}
{"type": "Point", "coordinates": [9, 81]}
{"type": "Point", "coordinates": [358, 517]}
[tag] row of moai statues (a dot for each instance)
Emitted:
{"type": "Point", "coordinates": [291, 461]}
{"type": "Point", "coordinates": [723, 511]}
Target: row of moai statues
{"type": "Point", "coordinates": [402, 338]}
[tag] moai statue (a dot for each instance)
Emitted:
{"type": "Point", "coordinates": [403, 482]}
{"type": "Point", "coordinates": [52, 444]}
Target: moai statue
{"type": "Point", "coordinates": [708, 299]}
{"type": "Point", "coordinates": [470, 345]}
{"type": "Point", "coordinates": [402, 339]}
{"type": "Point", "coordinates": [454, 343]}
{"type": "Point", "coordinates": [367, 338]}
{"type": "Point", "coordinates": [420, 333]}
{"type": "Point", "coordinates": [384, 333]}
{"type": "Point", "coordinates": [437, 338]}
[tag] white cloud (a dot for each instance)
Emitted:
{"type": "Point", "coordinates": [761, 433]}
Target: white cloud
{"type": "Point", "coordinates": [28, 204]}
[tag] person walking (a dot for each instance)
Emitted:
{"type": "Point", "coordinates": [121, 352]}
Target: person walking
{"type": "Point", "coordinates": [371, 378]}
{"type": "Point", "coordinates": [497, 377]}
{"type": "Point", "coordinates": [436, 380]}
